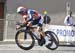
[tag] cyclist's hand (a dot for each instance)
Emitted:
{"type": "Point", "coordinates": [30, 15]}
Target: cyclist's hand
{"type": "Point", "coordinates": [29, 23]}
{"type": "Point", "coordinates": [18, 27]}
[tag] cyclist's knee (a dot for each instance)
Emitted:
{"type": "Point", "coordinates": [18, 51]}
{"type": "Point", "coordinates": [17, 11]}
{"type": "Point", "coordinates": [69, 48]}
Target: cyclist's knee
{"type": "Point", "coordinates": [39, 29]}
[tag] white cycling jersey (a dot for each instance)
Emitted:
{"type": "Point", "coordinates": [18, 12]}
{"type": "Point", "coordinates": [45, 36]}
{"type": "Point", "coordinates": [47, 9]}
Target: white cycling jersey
{"type": "Point", "coordinates": [68, 20]}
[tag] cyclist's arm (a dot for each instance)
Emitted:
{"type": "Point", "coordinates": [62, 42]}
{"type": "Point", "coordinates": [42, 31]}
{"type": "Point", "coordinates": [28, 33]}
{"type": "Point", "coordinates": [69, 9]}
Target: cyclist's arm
{"type": "Point", "coordinates": [24, 21]}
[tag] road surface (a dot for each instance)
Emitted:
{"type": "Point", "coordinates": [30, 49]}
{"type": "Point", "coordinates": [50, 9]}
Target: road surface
{"type": "Point", "coordinates": [13, 48]}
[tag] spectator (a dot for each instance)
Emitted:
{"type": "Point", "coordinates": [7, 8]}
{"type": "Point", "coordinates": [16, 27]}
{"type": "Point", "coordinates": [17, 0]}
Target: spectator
{"type": "Point", "coordinates": [47, 18]}
{"type": "Point", "coordinates": [69, 20]}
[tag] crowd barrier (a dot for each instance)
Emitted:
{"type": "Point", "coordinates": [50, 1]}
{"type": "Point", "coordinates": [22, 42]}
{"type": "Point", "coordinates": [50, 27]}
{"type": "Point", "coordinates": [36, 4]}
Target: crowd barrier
{"type": "Point", "coordinates": [66, 34]}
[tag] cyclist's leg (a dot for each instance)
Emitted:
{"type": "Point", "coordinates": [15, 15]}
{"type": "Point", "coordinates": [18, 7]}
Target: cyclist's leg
{"type": "Point", "coordinates": [42, 33]}
{"type": "Point", "coordinates": [39, 28]}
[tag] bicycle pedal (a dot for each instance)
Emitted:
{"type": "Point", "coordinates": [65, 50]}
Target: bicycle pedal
{"type": "Point", "coordinates": [39, 42]}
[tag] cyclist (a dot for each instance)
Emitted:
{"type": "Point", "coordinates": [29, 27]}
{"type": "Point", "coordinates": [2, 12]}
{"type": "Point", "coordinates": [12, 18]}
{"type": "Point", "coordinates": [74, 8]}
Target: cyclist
{"type": "Point", "coordinates": [32, 17]}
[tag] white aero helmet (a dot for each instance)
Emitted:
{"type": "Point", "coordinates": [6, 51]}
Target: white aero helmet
{"type": "Point", "coordinates": [21, 9]}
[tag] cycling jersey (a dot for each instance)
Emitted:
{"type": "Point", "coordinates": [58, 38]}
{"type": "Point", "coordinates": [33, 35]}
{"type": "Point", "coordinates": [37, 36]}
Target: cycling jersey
{"type": "Point", "coordinates": [29, 17]}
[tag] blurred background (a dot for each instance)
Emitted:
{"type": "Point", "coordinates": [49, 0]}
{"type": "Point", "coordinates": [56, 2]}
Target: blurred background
{"type": "Point", "coordinates": [56, 10]}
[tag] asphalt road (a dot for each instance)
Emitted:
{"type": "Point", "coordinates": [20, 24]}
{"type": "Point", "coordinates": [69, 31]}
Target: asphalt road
{"type": "Point", "coordinates": [13, 48]}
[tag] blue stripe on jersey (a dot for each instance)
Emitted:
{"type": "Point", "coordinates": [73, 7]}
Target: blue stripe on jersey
{"type": "Point", "coordinates": [30, 13]}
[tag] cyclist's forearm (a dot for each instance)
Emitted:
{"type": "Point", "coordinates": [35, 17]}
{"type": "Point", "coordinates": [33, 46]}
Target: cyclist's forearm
{"type": "Point", "coordinates": [23, 24]}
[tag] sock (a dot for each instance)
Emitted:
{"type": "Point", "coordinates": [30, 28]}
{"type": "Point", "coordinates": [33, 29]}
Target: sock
{"type": "Point", "coordinates": [47, 40]}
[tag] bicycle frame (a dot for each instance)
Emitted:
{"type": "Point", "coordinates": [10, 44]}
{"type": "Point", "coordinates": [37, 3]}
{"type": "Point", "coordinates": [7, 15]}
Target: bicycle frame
{"type": "Point", "coordinates": [33, 36]}
{"type": "Point", "coordinates": [28, 29]}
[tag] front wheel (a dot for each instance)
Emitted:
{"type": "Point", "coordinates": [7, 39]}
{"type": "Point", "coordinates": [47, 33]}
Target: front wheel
{"type": "Point", "coordinates": [24, 40]}
{"type": "Point", "coordinates": [54, 40]}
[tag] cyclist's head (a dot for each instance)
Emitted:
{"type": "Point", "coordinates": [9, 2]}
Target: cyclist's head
{"type": "Point", "coordinates": [21, 10]}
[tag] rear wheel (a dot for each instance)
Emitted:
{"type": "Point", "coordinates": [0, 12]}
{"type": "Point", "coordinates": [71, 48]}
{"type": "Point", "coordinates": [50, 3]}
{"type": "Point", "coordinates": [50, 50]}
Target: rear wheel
{"type": "Point", "coordinates": [54, 40]}
{"type": "Point", "coordinates": [24, 40]}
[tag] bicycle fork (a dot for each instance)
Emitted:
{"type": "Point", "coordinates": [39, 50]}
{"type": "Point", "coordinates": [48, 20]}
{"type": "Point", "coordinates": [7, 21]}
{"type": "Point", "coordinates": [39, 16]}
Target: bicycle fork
{"type": "Point", "coordinates": [25, 36]}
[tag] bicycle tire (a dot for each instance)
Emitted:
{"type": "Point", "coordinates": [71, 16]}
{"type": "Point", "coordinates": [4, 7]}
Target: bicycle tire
{"type": "Point", "coordinates": [53, 40]}
{"type": "Point", "coordinates": [22, 47]}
